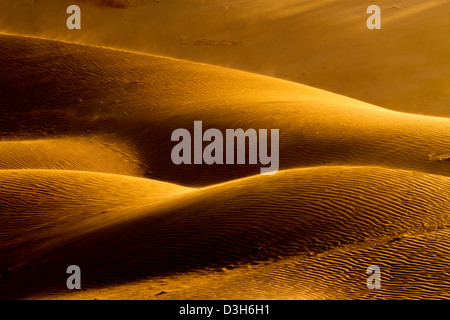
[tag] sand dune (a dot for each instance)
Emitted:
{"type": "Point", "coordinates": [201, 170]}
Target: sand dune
{"type": "Point", "coordinates": [322, 43]}
{"type": "Point", "coordinates": [71, 154]}
{"type": "Point", "coordinates": [41, 210]}
{"type": "Point", "coordinates": [300, 214]}
{"type": "Point", "coordinates": [86, 175]}
{"type": "Point", "coordinates": [57, 89]}
{"type": "Point", "coordinates": [37, 205]}
{"type": "Point", "coordinates": [414, 267]}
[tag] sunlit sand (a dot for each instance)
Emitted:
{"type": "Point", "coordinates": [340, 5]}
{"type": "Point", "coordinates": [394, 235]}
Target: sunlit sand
{"type": "Point", "coordinates": [86, 176]}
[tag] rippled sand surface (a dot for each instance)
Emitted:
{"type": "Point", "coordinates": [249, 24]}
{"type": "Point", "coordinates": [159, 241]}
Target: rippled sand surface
{"type": "Point", "coordinates": [86, 176]}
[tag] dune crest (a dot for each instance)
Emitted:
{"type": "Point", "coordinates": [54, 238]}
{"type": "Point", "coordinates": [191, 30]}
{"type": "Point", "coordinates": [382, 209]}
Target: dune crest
{"type": "Point", "coordinates": [321, 43]}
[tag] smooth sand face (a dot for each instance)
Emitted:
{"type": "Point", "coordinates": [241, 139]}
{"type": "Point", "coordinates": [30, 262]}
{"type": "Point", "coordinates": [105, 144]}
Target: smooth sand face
{"type": "Point", "coordinates": [84, 154]}
{"type": "Point", "coordinates": [86, 175]}
{"type": "Point", "coordinates": [322, 43]}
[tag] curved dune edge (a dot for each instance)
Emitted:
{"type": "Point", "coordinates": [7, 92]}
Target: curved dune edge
{"type": "Point", "coordinates": [41, 209]}
{"type": "Point", "coordinates": [301, 213]}
{"type": "Point", "coordinates": [322, 43]}
{"type": "Point", "coordinates": [139, 100]}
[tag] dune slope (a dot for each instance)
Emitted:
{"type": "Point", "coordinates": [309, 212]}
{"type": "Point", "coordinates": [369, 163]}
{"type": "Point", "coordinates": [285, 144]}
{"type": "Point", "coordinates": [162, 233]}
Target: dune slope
{"type": "Point", "coordinates": [298, 213]}
{"type": "Point", "coordinates": [322, 43]}
{"type": "Point", "coordinates": [413, 266]}
{"type": "Point", "coordinates": [74, 153]}
{"type": "Point", "coordinates": [51, 88]}
{"type": "Point", "coordinates": [41, 207]}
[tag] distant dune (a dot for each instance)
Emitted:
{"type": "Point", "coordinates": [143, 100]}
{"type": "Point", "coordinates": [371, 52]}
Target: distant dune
{"type": "Point", "coordinates": [321, 43]}
{"type": "Point", "coordinates": [123, 229]}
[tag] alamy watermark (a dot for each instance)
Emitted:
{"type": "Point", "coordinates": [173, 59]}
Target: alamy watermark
{"type": "Point", "coordinates": [74, 20]}
{"type": "Point", "coordinates": [235, 139]}
{"type": "Point", "coordinates": [73, 281]}
{"type": "Point", "coordinates": [374, 280]}
{"type": "Point", "coordinates": [374, 21]}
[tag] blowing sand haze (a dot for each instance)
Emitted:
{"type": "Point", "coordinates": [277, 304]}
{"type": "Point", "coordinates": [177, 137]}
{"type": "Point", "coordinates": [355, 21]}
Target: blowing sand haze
{"type": "Point", "coordinates": [282, 166]}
